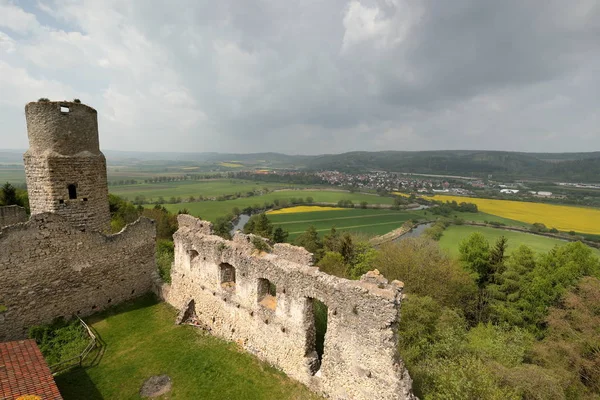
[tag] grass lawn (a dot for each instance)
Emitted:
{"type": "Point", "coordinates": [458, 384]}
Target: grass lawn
{"type": "Point", "coordinates": [141, 340]}
{"type": "Point", "coordinates": [210, 210]}
{"type": "Point", "coordinates": [368, 221]}
{"type": "Point", "coordinates": [453, 235]}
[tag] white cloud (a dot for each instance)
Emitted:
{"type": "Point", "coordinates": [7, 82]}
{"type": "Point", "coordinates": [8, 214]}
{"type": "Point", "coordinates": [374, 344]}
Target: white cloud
{"type": "Point", "coordinates": [15, 19]}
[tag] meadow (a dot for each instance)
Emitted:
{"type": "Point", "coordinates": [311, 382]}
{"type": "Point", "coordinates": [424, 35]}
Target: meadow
{"type": "Point", "coordinates": [453, 235]}
{"type": "Point", "coordinates": [211, 210]}
{"type": "Point", "coordinates": [185, 189]}
{"type": "Point", "coordinates": [563, 218]}
{"type": "Point", "coordinates": [141, 340]}
{"type": "Point", "coordinates": [366, 221]}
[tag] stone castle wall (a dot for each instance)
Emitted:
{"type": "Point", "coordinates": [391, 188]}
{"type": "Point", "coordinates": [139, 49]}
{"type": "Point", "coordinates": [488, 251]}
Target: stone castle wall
{"type": "Point", "coordinates": [225, 284]}
{"type": "Point", "coordinates": [12, 215]}
{"type": "Point", "coordinates": [65, 169]}
{"type": "Point", "coordinates": [49, 268]}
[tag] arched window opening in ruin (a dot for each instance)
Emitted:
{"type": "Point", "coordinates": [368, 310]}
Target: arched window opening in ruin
{"type": "Point", "coordinates": [267, 294]}
{"type": "Point", "coordinates": [317, 314]}
{"type": "Point", "coordinates": [72, 191]}
{"type": "Point", "coordinates": [227, 276]}
{"type": "Point", "coordinates": [192, 254]}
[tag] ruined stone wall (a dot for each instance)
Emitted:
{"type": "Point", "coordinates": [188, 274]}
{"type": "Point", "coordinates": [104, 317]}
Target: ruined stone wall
{"type": "Point", "coordinates": [48, 268]}
{"type": "Point", "coordinates": [360, 359]}
{"type": "Point", "coordinates": [65, 170]}
{"type": "Point", "coordinates": [12, 215]}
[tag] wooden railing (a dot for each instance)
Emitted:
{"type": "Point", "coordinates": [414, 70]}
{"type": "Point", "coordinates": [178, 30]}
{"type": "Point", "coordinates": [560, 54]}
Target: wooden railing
{"type": "Point", "coordinates": [77, 360]}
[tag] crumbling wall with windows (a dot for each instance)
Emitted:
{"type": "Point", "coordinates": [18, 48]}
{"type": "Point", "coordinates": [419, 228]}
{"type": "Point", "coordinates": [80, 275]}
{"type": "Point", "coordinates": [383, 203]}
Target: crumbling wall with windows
{"type": "Point", "coordinates": [272, 304]}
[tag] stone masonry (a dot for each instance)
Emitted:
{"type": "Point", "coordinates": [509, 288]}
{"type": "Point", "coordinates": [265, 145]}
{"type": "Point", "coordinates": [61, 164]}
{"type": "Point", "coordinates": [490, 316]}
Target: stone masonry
{"type": "Point", "coordinates": [265, 302]}
{"type": "Point", "coordinates": [65, 169]}
{"type": "Point", "coordinates": [12, 215]}
{"type": "Point", "coordinates": [49, 269]}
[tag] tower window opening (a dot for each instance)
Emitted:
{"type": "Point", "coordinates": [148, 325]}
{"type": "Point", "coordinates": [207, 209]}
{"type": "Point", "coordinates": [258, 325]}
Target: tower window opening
{"type": "Point", "coordinates": [72, 191]}
{"type": "Point", "coordinates": [64, 109]}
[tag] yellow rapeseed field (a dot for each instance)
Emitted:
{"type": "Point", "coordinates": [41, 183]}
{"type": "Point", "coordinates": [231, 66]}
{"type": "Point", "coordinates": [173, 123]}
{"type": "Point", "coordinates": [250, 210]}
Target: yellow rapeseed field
{"type": "Point", "coordinates": [299, 209]}
{"type": "Point", "coordinates": [230, 165]}
{"type": "Point", "coordinates": [401, 194]}
{"type": "Point", "coordinates": [563, 218]}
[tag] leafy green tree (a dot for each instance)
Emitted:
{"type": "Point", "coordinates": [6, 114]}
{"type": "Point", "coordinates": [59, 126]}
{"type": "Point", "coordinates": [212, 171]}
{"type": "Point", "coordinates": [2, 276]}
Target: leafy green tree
{"type": "Point", "coordinates": [475, 254]}
{"type": "Point", "coordinates": [309, 200]}
{"type": "Point", "coordinates": [333, 263]}
{"type": "Point", "coordinates": [347, 248]}
{"type": "Point", "coordinates": [363, 204]}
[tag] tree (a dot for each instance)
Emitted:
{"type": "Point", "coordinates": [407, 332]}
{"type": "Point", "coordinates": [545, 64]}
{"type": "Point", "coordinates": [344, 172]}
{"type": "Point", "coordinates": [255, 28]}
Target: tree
{"type": "Point", "coordinates": [280, 235]}
{"type": "Point", "coordinates": [497, 255]}
{"type": "Point", "coordinates": [310, 240]}
{"type": "Point", "coordinates": [309, 200]}
{"type": "Point", "coordinates": [347, 248]}
{"type": "Point", "coordinates": [475, 254]}
{"type": "Point", "coordinates": [333, 263]}
{"type": "Point", "coordinates": [222, 227]}
{"type": "Point", "coordinates": [331, 241]}
{"type": "Point", "coordinates": [9, 195]}
{"type": "Point", "coordinates": [363, 204]}
{"type": "Point", "coordinates": [259, 225]}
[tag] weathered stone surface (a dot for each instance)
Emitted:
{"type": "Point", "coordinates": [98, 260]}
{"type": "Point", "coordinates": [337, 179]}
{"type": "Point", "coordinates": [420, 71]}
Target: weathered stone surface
{"type": "Point", "coordinates": [64, 151]}
{"type": "Point", "coordinates": [12, 215]}
{"type": "Point", "coordinates": [360, 359]}
{"type": "Point", "coordinates": [48, 268]}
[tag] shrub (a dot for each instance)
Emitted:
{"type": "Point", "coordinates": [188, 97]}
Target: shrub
{"type": "Point", "coordinates": [260, 244]}
{"type": "Point", "coordinates": [165, 253]}
{"type": "Point", "coordinates": [60, 340]}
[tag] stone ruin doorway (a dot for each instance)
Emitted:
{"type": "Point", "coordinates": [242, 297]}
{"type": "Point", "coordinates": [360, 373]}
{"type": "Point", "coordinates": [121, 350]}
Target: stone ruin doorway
{"type": "Point", "coordinates": [317, 314]}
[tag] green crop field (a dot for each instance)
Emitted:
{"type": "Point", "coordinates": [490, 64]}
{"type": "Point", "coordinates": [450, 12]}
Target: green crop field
{"type": "Point", "coordinates": [12, 175]}
{"type": "Point", "coordinates": [210, 210]}
{"type": "Point", "coordinates": [453, 235]}
{"type": "Point", "coordinates": [185, 189]}
{"type": "Point", "coordinates": [370, 222]}
{"type": "Point", "coordinates": [141, 340]}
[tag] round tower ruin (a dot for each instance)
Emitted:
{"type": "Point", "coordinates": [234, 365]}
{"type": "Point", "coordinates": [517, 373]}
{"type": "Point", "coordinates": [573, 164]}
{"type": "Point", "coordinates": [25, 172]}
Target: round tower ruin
{"type": "Point", "coordinates": [65, 169]}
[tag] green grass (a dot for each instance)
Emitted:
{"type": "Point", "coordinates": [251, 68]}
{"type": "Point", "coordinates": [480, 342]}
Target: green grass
{"type": "Point", "coordinates": [453, 235]}
{"type": "Point", "coordinates": [141, 340]}
{"type": "Point", "coordinates": [370, 222]}
{"type": "Point", "coordinates": [185, 189]}
{"type": "Point", "coordinates": [210, 210]}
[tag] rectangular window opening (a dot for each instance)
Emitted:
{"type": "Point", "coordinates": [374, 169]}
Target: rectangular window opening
{"type": "Point", "coordinates": [64, 109]}
{"type": "Point", "coordinates": [227, 276]}
{"type": "Point", "coordinates": [72, 191]}
{"type": "Point", "coordinates": [267, 294]}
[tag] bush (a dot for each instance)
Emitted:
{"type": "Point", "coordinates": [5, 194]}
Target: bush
{"type": "Point", "coordinates": [60, 340]}
{"type": "Point", "coordinates": [261, 245]}
{"type": "Point", "coordinates": [165, 253]}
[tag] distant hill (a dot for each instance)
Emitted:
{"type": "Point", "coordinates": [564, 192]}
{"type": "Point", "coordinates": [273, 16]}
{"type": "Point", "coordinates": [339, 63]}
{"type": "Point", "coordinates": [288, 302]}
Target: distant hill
{"type": "Point", "coordinates": [580, 167]}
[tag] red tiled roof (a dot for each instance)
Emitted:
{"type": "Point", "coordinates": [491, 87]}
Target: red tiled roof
{"type": "Point", "coordinates": [23, 371]}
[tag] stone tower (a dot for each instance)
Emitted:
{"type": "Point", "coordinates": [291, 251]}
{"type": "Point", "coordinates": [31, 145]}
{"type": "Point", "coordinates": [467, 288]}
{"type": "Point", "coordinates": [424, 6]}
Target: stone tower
{"type": "Point", "coordinates": [65, 169]}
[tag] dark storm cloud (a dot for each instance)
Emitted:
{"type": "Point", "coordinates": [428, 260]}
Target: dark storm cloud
{"type": "Point", "coordinates": [314, 77]}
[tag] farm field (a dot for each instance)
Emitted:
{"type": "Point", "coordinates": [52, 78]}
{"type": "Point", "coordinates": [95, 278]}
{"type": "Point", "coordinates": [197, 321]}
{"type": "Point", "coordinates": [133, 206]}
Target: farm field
{"type": "Point", "coordinates": [141, 340]}
{"type": "Point", "coordinates": [185, 189]}
{"type": "Point", "coordinates": [564, 218]}
{"type": "Point", "coordinates": [12, 176]}
{"type": "Point", "coordinates": [302, 209]}
{"type": "Point", "coordinates": [453, 235]}
{"type": "Point", "coordinates": [367, 221]}
{"type": "Point", "coordinates": [211, 210]}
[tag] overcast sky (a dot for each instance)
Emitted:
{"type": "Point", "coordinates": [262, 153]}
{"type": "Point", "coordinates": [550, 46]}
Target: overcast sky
{"type": "Point", "coordinates": [307, 76]}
